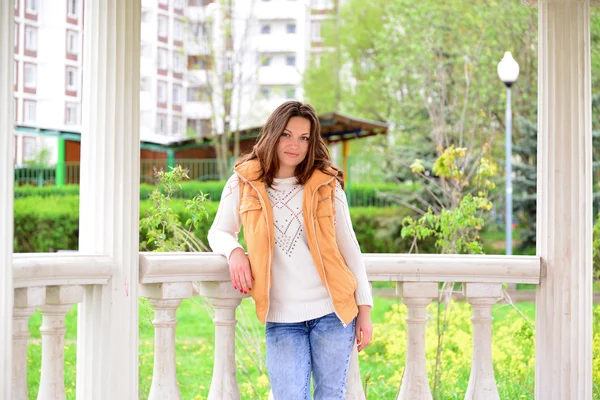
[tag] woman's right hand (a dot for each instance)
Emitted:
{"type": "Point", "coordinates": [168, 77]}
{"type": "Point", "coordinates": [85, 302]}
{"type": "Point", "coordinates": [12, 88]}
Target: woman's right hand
{"type": "Point", "coordinates": [239, 269]}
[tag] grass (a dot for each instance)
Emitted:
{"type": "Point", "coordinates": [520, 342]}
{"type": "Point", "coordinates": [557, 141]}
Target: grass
{"type": "Point", "coordinates": [381, 363]}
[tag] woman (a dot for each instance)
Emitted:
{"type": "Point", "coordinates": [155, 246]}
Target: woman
{"type": "Point", "coordinates": [304, 268]}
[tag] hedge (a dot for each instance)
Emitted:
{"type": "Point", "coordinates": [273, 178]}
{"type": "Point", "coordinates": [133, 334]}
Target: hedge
{"type": "Point", "coordinates": [51, 224]}
{"type": "Point", "coordinates": [359, 194]}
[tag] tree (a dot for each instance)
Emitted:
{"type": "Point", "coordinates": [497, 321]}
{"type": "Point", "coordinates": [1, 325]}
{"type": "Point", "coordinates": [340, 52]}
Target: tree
{"type": "Point", "coordinates": [428, 69]}
{"type": "Point", "coordinates": [224, 56]}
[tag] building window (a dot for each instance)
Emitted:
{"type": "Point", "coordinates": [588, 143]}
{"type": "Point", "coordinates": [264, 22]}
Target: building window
{"type": "Point", "coordinates": [161, 124]}
{"type": "Point", "coordinates": [163, 26]}
{"type": "Point", "coordinates": [198, 62]}
{"type": "Point", "coordinates": [72, 8]}
{"type": "Point", "coordinates": [177, 95]}
{"type": "Point", "coordinates": [72, 42]}
{"type": "Point", "coordinates": [29, 111]}
{"type": "Point", "coordinates": [161, 92]}
{"type": "Point", "coordinates": [291, 28]}
{"type": "Point", "coordinates": [199, 127]}
{"type": "Point", "coordinates": [290, 61]}
{"type": "Point", "coordinates": [16, 73]}
{"type": "Point", "coordinates": [196, 93]}
{"type": "Point", "coordinates": [30, 38]}
{"type": "Point", "coordinates": [265, 29]}
{"type": "Point", "coordinates": [31, 6]}
{"type": "Point", "coordinates": [71, 114]}
{"type": "Point", "coordinates": [162, 59]}
{"type": "Point", "coordinates": [178, 62]}
{"type": "Point", "coordinates": [265, 61]}
{"type": "Point", "coordinates": [146, 50]}
{"type": "Point", "coordinates": [178, 30]}
{"type": "Point", "coordinates": [16, 36]}
{"type": "Point", "coordinates": [145, 84]}
{"type": "Point", "coordinates": [71, 79]}
{"type": "Point", "coordinates": [30, 75]}
{"type": "Point", "coordinates": [178, 4]}
{"type": "Point", "coordinates": [163, 2]}
{"type": "Point", "coordinates": [265, 92]}
{"type": "Point", "coordinates": [290, 93]}
{"type": "Point", "coordinates": [176, 126]}
{"type": "Point", "coordinates": [316, 31]}
{"type": "Point", "coordinates": [146, 16]}
{"type": "Point", "coordinates": [28, 149]}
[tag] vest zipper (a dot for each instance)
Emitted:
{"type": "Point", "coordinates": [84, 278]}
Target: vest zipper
{"type": "Point", "coordinates": [319, 251]}
{"type": "Point", "coordinates": [270, 251]}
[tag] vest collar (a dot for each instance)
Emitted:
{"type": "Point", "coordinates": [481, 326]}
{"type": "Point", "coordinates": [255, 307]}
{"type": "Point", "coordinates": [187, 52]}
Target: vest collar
{"type": "Point", "coordinates": [251, 171]}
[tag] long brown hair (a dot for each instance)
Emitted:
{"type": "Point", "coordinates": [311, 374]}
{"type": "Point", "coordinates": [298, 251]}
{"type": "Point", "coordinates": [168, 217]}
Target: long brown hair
{"type": "Point", "coordinates": [265, 149]}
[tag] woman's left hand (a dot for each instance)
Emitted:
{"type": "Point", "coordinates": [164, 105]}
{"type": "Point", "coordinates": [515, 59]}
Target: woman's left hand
{"type": "Point", "coordinates": [364, 328]}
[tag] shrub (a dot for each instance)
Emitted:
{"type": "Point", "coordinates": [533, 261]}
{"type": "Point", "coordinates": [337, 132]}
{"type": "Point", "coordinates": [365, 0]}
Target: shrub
{"type": "Point", "coordinates": [51, 223]}
{"type": "Point", "coordinates": [359, 194]}
{"type": "Point", "coordinates": [46, 225]}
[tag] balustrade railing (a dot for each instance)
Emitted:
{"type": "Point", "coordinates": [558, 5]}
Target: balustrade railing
{"type": "Point", "coordinates": [53, 283]}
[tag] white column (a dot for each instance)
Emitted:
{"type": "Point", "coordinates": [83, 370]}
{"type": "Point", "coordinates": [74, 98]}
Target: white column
{"type": "Point", "coordinates": [225, 299]}
{"type": "Point", "coordinates": [416, 296]}
{"type": "Point", "coordinates": [26, 299]}
{"type": "Point", "coordinates": [59, 301]}
{"type": "Point", "coordinates": [564, 211]}
{"type": "Point", "coordinates": [7, 116]}
{"type": "Point", "coordinates": [482, 296]}
{"type": "Point", "coordinates": [107, 356]}
{"type": "Point", "coordinates": [165, 298]}
{"type": "Point", "coordinates": [354, 389]}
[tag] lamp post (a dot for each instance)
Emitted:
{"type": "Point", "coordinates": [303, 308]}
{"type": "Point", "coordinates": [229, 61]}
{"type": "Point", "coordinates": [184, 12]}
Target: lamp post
{"type": "Point", "coordinates": [508, 71]}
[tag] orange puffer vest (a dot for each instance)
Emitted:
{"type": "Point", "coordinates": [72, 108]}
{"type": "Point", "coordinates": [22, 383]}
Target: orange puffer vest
{"type": "Point", "coordinates": [318, 210]}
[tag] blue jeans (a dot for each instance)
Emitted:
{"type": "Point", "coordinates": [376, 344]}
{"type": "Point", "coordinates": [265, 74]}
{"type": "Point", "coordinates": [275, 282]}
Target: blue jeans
{"type": "Point", "coordinates": [321, 346]}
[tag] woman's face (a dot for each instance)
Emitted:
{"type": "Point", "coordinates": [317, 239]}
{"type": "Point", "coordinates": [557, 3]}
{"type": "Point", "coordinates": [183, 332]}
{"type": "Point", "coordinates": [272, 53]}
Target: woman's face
{"type": "Point", "coordinates": [293, 144]}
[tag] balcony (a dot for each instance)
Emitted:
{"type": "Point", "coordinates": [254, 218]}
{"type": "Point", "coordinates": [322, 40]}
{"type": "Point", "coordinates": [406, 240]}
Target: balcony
{"type": "Point", "coordinates": [279, 44]}
{"type": "Point", "coordinates": [282, 11]}
{"type": "Point", "coordinates": [279, 75]}
{"type": "Point", "coordinates": [54, 283]}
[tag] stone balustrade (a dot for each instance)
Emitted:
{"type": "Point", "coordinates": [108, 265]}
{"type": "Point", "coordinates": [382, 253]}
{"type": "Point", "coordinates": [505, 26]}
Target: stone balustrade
{"type": "Point", "coordinates": [53, 284]}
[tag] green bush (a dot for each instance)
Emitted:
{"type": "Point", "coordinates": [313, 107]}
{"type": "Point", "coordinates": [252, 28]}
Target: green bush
{"type": "Point", "coordinates": [50, 224]}
{"type": "Point", "coordinates": [359, 195]}
{"type": "Point", "coordinates": [46, 224]}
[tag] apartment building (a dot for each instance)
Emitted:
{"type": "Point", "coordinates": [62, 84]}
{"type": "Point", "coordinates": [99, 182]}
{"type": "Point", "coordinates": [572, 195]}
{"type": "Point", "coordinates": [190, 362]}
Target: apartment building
{"type": "Point", "coordinates": [185, 54]}
{"type": "Point", "coordinates": [47, 73]}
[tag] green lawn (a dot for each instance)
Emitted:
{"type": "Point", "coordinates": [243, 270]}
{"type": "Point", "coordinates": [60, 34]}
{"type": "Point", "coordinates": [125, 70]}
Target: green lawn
{"type": "Point", "coordinates": [381, 363]}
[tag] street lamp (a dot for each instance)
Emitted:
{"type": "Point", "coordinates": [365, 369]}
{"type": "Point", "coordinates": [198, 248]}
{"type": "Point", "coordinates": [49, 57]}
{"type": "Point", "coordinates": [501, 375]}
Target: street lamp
{"type": "Point", "coordinates": [508, 71]}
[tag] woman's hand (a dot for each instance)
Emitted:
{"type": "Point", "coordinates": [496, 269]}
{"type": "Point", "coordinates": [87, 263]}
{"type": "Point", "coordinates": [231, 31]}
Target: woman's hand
{"type": "Point", "coordinates": [239, 269]}
{"type": "Point", "coordinates": [364, 328]}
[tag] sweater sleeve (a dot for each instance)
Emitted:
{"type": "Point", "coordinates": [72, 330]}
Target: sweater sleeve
{"type": "Point", "coordinates": [223, 234]}
{"type": "Point", "coordinates": [348, 245]}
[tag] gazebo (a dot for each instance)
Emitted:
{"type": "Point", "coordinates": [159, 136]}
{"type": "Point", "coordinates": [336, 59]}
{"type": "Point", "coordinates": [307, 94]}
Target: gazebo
{"type": "Point", "coordinates": [108, 274]}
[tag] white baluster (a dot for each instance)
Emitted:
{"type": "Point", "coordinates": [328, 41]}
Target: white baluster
{"type": "Point", "coordinates": [59, 300]}
{"type": "Point", "coordinates": [482, 296]}
{"type": "Point", "coordinates": [165, 298]}
{"type": "Point", "coordinates": [354, 390]}
{"type": "Point", "coordinates": [25, 301]}
{"type": "Point", "coordinates": [225, 299]}
{"type": "Point", "coordinates": [416, 296]}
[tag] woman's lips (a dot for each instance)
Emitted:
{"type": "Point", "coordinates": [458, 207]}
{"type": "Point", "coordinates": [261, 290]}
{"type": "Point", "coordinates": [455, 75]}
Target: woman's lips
{"type": "Point", "coordinates": [292, 154]}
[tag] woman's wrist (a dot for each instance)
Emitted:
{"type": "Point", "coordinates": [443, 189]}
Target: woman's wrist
{"type": "Point", "coordinates": [364, 309]}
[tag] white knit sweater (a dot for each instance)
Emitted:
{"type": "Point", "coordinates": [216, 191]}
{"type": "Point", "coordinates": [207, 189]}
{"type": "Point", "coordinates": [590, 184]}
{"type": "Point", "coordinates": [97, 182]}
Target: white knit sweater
{"type": "Point", "coordinates": [297, 293]}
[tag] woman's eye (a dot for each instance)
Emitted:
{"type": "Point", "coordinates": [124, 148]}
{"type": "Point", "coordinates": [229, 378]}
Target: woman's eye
{"type": "Point", "coordinates": [305, 138]}
{"type": "Point", "coordinates": [285, 134]}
